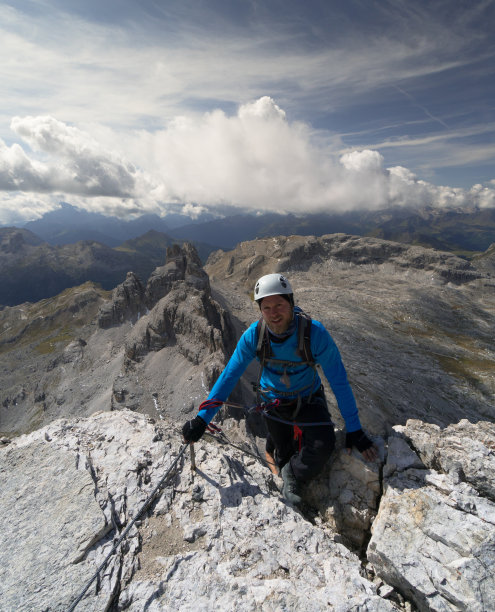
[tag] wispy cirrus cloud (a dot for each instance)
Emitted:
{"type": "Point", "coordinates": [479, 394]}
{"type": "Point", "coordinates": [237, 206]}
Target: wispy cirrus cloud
{"type": "Point", "coordinates": [157, 103]}
{"type": "Point", "coordinates": [145, 66]}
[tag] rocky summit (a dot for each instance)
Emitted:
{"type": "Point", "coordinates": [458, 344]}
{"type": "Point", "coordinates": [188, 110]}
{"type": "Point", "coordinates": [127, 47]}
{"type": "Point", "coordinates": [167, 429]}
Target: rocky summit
{"type": "Point", "coordinates": [222, 537]}
{"type": "Point", "coordinates": [94, 388]}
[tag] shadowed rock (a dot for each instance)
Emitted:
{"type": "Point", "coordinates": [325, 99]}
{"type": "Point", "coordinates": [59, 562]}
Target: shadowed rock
{"type": "Point", "coordinates": [128, 302]}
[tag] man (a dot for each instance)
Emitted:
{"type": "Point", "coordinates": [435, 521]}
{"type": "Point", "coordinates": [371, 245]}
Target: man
{"type": "Point", "coordinates": [288, 345]}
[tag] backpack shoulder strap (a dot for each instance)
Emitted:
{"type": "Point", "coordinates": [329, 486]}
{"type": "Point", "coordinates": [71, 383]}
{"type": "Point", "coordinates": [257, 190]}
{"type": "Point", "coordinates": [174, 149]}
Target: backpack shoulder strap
{"type": "Point", "coordinates": [263, 350]}
{"type": "Point", "coordinates": [304, 339]}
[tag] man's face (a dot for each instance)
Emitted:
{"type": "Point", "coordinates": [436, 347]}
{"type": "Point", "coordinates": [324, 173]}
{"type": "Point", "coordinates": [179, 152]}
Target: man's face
{"type": "Point", "coordinates": [277, 313]}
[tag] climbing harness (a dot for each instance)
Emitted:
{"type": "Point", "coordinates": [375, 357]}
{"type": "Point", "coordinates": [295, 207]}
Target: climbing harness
{"type": "Point", "coordinates": [144, 507]}
{"type": "Point", "coordinates": [216, 433]}
{"type": "Point", "coordinates": [264, 409]}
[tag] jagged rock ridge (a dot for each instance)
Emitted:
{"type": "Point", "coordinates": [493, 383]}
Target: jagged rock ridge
{"type": "Point", "coordinates": [174, 310]}
{"type": "Point", "coordinates": [157, 348]}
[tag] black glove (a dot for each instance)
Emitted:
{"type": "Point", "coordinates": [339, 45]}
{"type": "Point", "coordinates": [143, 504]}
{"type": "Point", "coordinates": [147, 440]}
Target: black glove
{"type": "Point", "coordinates": [358, 439]}
{"type": "Point", "coordinates": [194, 429]}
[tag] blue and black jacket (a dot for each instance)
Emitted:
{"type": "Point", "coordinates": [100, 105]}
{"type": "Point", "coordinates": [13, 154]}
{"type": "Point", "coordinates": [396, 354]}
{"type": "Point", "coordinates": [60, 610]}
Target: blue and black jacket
{"type": "Point", "coordinates": [298, 380]}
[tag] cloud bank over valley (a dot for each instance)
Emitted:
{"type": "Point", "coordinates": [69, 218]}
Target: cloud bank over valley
{"type": "Point", "coordinates": [255, 158]}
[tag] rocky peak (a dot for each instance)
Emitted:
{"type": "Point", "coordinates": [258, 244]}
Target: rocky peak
{"type": "Point", "coordinates": [182, 264]}
{"type": "Point", "coordinates": [128, 301]}
{"type": "Point", "coordinates": [131, 299]}
{"type": "Point", "coordinates": [486, 261]}
{"type": "Point", "coordinates": [14, 240]}
{"type": "Point", "coordinates": [176, 312]}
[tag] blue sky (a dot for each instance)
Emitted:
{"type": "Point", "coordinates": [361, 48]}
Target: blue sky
{"type": "Point", "coordinates": [131, 106]}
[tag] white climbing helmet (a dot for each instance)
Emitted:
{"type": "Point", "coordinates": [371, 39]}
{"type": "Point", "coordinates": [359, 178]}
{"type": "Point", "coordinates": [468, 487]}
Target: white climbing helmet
{"type": "Point", "coordinates": [272, 284]}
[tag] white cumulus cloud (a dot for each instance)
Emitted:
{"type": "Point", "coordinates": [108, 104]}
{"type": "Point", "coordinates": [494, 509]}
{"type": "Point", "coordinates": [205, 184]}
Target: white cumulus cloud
{"type": "Point", "coordinates": [72, 163]}
{"type": "Point", "coordinates": [254, 159]}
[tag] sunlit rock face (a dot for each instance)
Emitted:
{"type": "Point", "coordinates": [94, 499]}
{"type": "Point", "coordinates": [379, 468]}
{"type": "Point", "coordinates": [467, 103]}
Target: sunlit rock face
{"type": "Point", "coordinates": [434, 536]}
{"type": "Point", "coordinates": [223, 537]}
{"type": "Point", "coordinates": [218, 538]}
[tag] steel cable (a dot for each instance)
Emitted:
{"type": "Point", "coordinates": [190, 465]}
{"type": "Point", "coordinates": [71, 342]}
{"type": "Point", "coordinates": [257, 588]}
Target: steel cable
{"type": "Point", "coordinates": [144, 507]}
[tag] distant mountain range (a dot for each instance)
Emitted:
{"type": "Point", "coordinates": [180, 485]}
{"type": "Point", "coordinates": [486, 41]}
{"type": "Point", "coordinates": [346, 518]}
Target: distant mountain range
{"type": "Point", "coordinates": [458, 230]}
{"type": "Point", "coordinates": [31, 269]}
{"type": "Point", "coordinates": [69, 224]}
{"type": "Point", "coordinates": [70, 246]}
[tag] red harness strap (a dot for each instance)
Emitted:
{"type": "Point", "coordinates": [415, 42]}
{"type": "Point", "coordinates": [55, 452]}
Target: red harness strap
{"type": "Point", "coordinates": [298, 436]}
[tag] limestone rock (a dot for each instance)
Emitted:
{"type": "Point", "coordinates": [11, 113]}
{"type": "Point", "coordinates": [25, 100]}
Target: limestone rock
{"type": "Point", "coordinates": [174, 310]}
{"type": "Point", "coordinates": [219, 538]}
{"type": "Point", "coordinates": [347, 493]}
{"type": "Point", "coordinates": [434, 535]}
{"type": "Point", "coordinates": [50, 518]}
{"type": "Point", "coordinates": [486, 261]}
{"type": "Point", "coordinates": [252, 259]}
{"type": "Point", "coordinates": [465, 451]}
{"type": "Point", "coordinates": [185, 316]}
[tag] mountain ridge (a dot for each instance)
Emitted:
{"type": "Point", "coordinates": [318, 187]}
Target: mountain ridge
{"type": "Point", "coordinates": [462, 230]}
{"type": "Point", "coordinates": [68, 224]}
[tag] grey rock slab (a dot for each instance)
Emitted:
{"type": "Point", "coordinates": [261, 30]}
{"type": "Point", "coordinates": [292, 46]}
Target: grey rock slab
{"type": "Point", "coordinates": [49, 518]}
{"type": "Point", "coordinates": [218, 538]}
{"type": "Point", "coordinates": [465, 450]}
{"type": "Point", "coordinates": [68, 486]}
{"type": "Point", "coordinates": [433, 537]}
{"type": "Point", "coordinates": [440, 557]}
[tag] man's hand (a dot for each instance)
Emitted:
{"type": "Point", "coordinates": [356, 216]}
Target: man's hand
{"type": "Point", "coordinates": [364, 445]}
{"type": "Point", "coordinates": [193, 430]}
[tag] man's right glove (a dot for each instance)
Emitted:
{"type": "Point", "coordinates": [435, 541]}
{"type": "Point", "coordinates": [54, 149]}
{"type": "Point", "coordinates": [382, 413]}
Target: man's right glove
{"type": "Point", "coordinates": [358, 439]}
{"type": "Point", "coordinates": [193, 430]}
